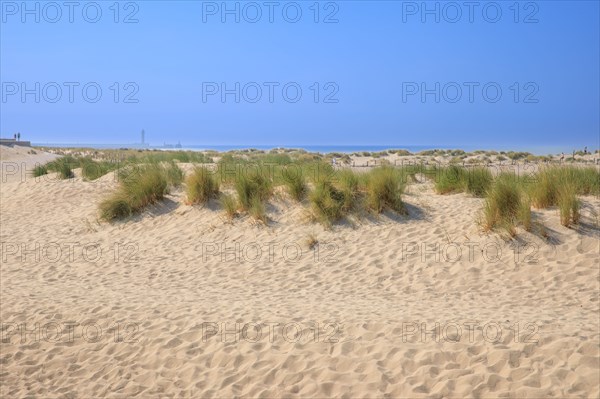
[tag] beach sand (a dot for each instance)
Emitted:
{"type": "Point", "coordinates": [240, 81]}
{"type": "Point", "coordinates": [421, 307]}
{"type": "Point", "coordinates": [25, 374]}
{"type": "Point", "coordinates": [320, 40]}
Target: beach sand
{"type": "Point", "coordinates": [179, 302]}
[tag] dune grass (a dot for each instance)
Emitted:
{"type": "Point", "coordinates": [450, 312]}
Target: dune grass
{"type": "Point", "coordinates": [92, 170]}
{"type": "Point", "coordinates": [40, 170]}
{"type": "Point", "coordinates": [455, 179]}
{"type": "Point", "coordinates": [348, 185]}
{"type": "Point", "coordinates": [173, 173]}
{"type": "Point", "coordinates": [546, 189]}
{"type": "Point", "coordinates": [384, 187]}
{"type": "Point", "coordinates": [136, 191]}
{"type": "Point", "coordinates": [450, 180]}
{"type": "Point", "coordinates": [201, 186]}
{"type": "Point", "coordinates": [252, 185]}
{"type": "Point", "coordinates": [63, 167]}
{"type": "Point", "coordinates": [327, 203]}
{"type": "Point", "coordinates": [347, 192]}
{"type": "Point", "coordinates": [230, 205]}
{"type": "Point", "coordinates": [506, 205]}
{"type": "Point", "coordinates": [568, 205]}
{"type": "Point", "coordinates": [296, 186]}
{"type": "Point", "coordinates": [257, 209]}
{"type": "Point", "coordinates": [478, 181]}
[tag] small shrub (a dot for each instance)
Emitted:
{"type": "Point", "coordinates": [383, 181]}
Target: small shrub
{"type": "Point", "coordinates": [201, 186]}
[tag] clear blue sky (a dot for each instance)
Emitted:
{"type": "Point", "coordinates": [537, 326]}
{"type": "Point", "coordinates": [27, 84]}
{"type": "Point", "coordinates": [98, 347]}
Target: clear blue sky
{"type": "Point", "coordinates": [370, 62]}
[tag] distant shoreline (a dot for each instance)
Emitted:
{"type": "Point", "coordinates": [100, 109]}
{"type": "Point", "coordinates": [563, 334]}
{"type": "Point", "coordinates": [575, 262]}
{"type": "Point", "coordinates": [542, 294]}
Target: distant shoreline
{"type": "Point", "coordinates": [323, 149]}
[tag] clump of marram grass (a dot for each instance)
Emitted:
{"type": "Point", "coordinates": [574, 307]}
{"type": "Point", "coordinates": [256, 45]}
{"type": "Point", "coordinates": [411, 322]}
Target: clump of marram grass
{"type": "Point", "coordinates": [40, 170]}
{"type": "Point", "coordinates": [257, 209]}
{"type": "Point", "coordinates": [478, 181]}
{"type": "Point", "coordinates": [524, 212]}
{"type": "Point", "coordinates": [385, 186]}
{"type": "Point", "coordinates": [63, 167]}
{"type": "Point", "coordinates": [455, 179]}
{"type": "Point", "coordinates": [201, 186]}
{"type": "Point", "coordinates": [230, 205]}
{"type": "Point", "coordinates": [506, 205]}
{"type": "Point", "coordinates": [348, 183]}
{"type": "Point", "coordinates": [569, 205]}
{"type": "Point", "coordinates": [450, 180]}
{"type": "Point", "coordinates": [327, 203]}
{"type": "Point", "coordinates": [347, 192]}
{"type": "Point", "coordinates": [550, 182]}
{"type": "Point", "coordinates": [544, 190]}
{"type": "Point", "coordinates": [146, 186]}
{"type": "Point", "coordinates": [296, 186]}
{"type": "Point", "coordinates": [92, 170]}
{"type": "Point", "coordinates": [174, 174]}
{"type": "Point", "coordinates": [250, 186]}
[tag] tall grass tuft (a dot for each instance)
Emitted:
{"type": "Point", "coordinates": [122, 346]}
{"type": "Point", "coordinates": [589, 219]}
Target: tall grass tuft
{"type": "Point", "coordinates": [230, 205]}
{"type": "Point", "coordinates": [450, 180]}
{"type": "Point", "coordinates": [62, 166]}
{"type": "Point", "coordinates": [40, 170]}
{"type": "Point", "coordinates": [455, 179]}
{"type": "Point", "coordinates": [250, 186]}
{"type": "Point", "coordinates": [569, 205]}
{"type": "Point", "coordinates": [348, 183]}
{"type": "Point", "coordinates": [201, 186]}
{"type": "Point", "coordinates": [524, 212]}
{"type": "Point", "coordinates": [257, 209]}
{"type": "Point", "coordinates": [506, 205]}
{"type": "Point", "coordinates": [174, 174]}
{"type": "Point", "coordinates": [552, 181]}
{"type": "Point", "coordinates": [544, 190]}
{"type": "Point", "coordinates": [385, 186]}
{"type": "Point", "coordinates": [136, 191]}
{"type": "Point", "coordinates": [478, 181]}
{"type": "Point", "coordinates": [327, 203]}
{"type": "Point", "coordinates": [296, 186]}
{"type": "Point", "coordinates": [92, 170]}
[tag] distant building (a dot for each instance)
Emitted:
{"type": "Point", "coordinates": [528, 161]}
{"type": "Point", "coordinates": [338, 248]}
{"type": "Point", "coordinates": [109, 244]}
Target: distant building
{"type": "Point", "coordinates": [13, 142]}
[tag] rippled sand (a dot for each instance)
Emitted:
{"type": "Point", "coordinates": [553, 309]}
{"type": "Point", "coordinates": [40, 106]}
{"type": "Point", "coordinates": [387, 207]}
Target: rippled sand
{"type": "Point", "coordinates": [178, 302]}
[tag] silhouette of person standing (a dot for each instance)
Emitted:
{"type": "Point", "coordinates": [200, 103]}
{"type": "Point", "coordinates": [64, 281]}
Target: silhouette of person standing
{"type": "Point", "coordinates": [18, 136]}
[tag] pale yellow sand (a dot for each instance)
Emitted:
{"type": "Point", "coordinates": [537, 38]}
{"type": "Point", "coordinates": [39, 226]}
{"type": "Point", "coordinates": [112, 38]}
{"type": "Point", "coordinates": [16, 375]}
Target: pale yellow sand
{"type": "Point", "coordinates": [167, 278]}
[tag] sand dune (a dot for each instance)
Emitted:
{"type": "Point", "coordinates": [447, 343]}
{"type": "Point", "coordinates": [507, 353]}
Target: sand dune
{"type": "Point", "coordinates": [178, 302]}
